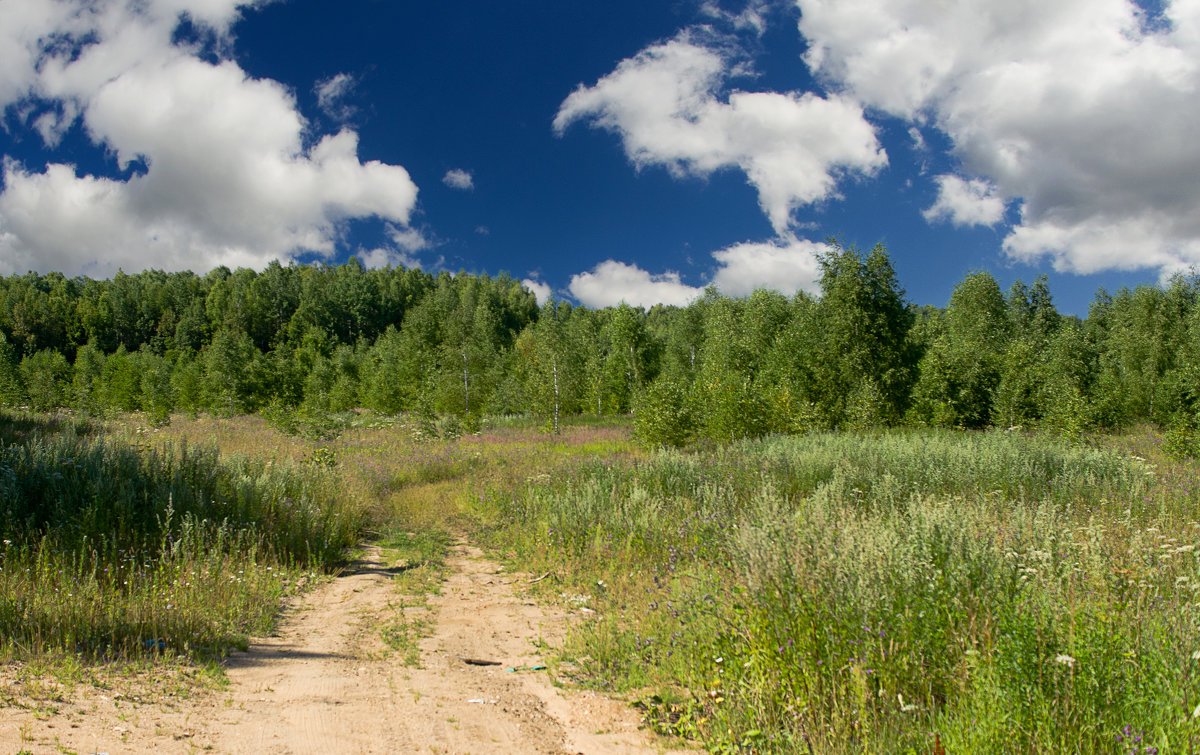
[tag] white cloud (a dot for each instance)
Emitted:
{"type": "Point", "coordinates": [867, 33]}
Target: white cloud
{"type": "Point", "coordinates": [612, 282]}
{"type": "Point", "coordinates": [459, 179]}
{"type": "Point", "coordinates": [227, 179]}
{"type": "Point", "coordinates": [1079, 109]}
{"type": "Point", "coordinates": [402, 252]}
{"type": "Point", "coordinates": [963, 203]}
{"type": "Point", "coordinates": [331, 96]}
{"type": "Point", "coordinates": [918, 139]}
{"type": "Point", "coordinates": [381, 257]}
{"type": "Point", "coordinates": [409, 239]}
{"type": "Point", "coordinates": [540, 290]}
{"type": "Point", "coordinates": [752, 18]}
{"type": "Point", "coordinates": [25, 27]}
{"type": "Point", "coordinates": [787, 265]}
{"type": "Point", "coordinates": [669, 106]}
{"type": "Point", "coordinates": [1109, 245]}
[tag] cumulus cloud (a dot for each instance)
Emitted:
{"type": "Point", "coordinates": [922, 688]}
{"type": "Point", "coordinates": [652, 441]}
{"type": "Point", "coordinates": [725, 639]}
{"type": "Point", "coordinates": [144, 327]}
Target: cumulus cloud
{"type": "Point", "coordinates": [612, 282]}
{"type": "Point", "coordinates": [332, 94]}
{"type": "Point", "coordinates": [1102, 244]}
{"type": "Point", "coordinates": [459, 179]}
{"type": "Point", "coordinates": [381, 257]}
{"type": "Point", "coordinates": [228, 177]}
{"type": "Point", "coordinates": [540, 290]}
{"type": "Point", "coordinates": [963, 203]}
{"type": "Point", "coordinates": [1083, 111]}
{"type": "Point", "coordinates": [406, 242]}
{"type": "Point", "coordinates": [670, 106]}
{"type": "Point", "coordinates": [409, 239]}
{"type": "Point", "coordinates": [787, 264]}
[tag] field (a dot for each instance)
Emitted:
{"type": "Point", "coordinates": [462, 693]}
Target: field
{"type": "Point", "coordinates": [905, 591]}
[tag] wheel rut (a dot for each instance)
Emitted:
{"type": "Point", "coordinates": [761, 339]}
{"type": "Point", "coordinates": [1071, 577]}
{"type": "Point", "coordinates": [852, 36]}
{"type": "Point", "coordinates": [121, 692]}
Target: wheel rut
{"type": "Point", "coordinates": [326, 682]}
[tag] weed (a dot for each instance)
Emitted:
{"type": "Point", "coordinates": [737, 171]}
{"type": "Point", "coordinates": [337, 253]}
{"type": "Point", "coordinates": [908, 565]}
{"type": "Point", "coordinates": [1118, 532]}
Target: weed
{"type": "Point", "coordinates": [839, 592]}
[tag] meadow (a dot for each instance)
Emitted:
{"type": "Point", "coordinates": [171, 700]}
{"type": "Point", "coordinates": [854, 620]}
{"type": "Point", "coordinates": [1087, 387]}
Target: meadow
{"type": "Point", "coordinates": [115, 550]}
{"type": "Point", "coordinates": [901, 591]}
{"type": "Point", "coordinates": [909, 591]}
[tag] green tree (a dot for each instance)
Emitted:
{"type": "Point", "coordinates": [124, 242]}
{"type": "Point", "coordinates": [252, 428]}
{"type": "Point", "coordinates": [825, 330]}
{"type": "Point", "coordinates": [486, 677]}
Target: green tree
{"type": "Point", "coordinates": [554, 365]}
{"type": "Point", "coordinates": [590, 331]}
{"type": "Point", "coordinates": [961, 371]}
{"type": "Point", "coordinates": [121, 382]}
{"type": "Point", "coordinates": [12, 392]}
{"type": "Point", "coordinates": [227, 373]}
{"type": "Point", "coordinates": [392, 372]}
{"type": "Point", "coordinates": [188, 383]}
{"type": "Point", "coordinates": [45, 375]}
{"type": "Point", "coordinates": [1018, 400]}
{"type": "Point", "coordinates": [87, 388]}
{"type": "Point", "coordinates": [625, 363]}
{"type": "Point", "coordinates": [157, 395]}
{"type": "Point", "coordinates": [1065, 390]}
{"type": "Point", "coordinates": [788, 378]}
{"type": "Point", "coordinates": [867, 356]}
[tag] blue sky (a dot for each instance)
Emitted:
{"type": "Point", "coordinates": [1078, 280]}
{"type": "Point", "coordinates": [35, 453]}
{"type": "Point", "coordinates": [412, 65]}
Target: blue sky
{"type": "Point", "coordinates": [605, 151]}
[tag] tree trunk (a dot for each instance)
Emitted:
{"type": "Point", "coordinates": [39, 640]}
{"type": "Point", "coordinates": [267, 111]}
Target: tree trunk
{"type": "Point", "coordinates": [466, 383]}
{"type": "Point", "coordinates": [555, 370]}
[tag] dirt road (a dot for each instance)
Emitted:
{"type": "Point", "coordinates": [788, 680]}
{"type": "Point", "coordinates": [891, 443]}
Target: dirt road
{"type": "Point", "coordinates": [327, 683]}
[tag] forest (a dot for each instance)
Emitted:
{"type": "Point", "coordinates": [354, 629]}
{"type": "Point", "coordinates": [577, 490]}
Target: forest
{"type": "Point", "coordinates": [319, 339]}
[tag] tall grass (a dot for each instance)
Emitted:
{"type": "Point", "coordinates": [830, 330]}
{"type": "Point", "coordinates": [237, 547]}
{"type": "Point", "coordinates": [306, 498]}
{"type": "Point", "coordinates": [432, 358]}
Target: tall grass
{"type": "Point", "coordinates": [111, 550]}
{"type": "Point", "coordinates": [840, 593]}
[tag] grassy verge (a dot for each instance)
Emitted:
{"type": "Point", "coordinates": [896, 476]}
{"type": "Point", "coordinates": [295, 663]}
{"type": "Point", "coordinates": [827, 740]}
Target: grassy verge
{"type": "Point", "coordinates": [114, 551]}
{"type": "Point", "coordinates": [838, 593]}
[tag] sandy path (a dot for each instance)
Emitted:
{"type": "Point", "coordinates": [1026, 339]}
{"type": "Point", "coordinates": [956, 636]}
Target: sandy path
{"type": "Point", "coordinates": [326, 684]}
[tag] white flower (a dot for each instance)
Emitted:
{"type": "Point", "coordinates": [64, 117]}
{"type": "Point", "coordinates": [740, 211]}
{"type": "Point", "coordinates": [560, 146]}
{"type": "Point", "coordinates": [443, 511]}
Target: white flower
{"type": "Point", "coordinates": [1065, 660]}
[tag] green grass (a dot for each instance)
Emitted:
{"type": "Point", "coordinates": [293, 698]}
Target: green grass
{"type": "Point", "coordinates": [993, 592]}
{"type": "Point", "coordinates": [112, 550]}
{"type": "Point", "coordinates": [417, 554]}
{"type": "Point", "coordinates": [857, 593]}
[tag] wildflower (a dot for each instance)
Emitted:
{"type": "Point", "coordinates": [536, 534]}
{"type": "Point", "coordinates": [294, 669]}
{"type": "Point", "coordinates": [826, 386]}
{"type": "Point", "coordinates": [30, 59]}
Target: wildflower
{"type": "Point", "coordinates": [1064, 660]}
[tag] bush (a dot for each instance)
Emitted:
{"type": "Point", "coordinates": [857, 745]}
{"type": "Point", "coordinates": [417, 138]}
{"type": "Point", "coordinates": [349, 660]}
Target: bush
{"type": "Point", "coordinates": [663, 414]}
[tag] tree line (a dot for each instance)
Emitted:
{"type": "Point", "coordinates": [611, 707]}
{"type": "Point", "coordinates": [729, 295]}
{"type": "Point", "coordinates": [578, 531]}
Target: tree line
{"type": "Point", "coordinates": [335, 337]}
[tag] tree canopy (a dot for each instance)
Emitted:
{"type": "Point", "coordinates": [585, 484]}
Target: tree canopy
{"type": "Point", "coordinates": [858, 355]}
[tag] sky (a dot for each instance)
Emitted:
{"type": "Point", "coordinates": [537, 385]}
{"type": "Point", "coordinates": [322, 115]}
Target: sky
{"type": "Point", "coordinates": [629, 150]}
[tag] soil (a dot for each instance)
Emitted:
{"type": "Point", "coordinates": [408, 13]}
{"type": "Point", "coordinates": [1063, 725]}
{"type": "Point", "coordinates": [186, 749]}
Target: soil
{"type": "Point", "coordinates": [327, 683]}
